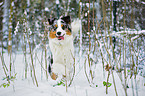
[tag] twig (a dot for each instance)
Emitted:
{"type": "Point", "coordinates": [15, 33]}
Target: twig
{"type": "Point", "coordinates": [132, 87]}
{"type": "Point", "coordinates": [40, 63]}
{"type": "Point", "coordinates": [66, 76]}
{"type": "Point", "coordinates": [86, 71]}
{"type": "Point", "coordinates": [4, 68]}
{"type": "Point", "coordinates": [74, 70]}
{"type": "Point", "coordinates": [32, 60]}
{"type": "Point", "coordinates": [107, 82]}
{"type": "Point", "coordinates": [124, 53]}
{"type": "Point", "coordinates": [46, 62]}
{"type": "Point", "coordinates": [114, 82]}
{"type": "Point", "coordinates": [24, 51]}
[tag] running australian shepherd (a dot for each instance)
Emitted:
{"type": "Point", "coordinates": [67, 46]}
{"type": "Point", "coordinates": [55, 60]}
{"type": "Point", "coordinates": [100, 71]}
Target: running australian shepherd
{"type": "Point", "coordinates": [61, 36]}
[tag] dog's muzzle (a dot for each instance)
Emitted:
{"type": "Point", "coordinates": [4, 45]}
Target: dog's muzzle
{"type": "Point", "coordinates": [59, 36]}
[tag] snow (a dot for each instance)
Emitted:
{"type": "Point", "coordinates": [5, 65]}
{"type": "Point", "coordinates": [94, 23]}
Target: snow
{"type": "Point", "coordinates": [57, 1]}
{"type": "Point", "coordinates": [87, 4]}
{"type": "Point", "coordinates": [16, 28]}
{"type": "Point", "coordinates": [1, 3]}
{"type": "Point", "coordinates": [132, 32]}
{"type": "Point", "coordinates": [13, 4]}
{"type": "Point", "coordinates": [143, 2]}
{"type": "Point", "coordinates": [79, 87]}
{"type": "Point", "coordinates": [46, 9]}
{"type": "Point", "coordinates": [9, 42]}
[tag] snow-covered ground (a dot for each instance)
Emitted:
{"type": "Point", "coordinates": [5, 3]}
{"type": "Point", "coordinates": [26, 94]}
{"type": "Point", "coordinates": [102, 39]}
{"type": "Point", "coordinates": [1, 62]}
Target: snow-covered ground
{"type": "Point", "coordinates": [79, 87]}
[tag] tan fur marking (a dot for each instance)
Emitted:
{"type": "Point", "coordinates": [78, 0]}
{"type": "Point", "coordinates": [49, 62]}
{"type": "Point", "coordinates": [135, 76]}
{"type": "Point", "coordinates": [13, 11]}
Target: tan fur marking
{"type": "Point", "coordinates": [68, 32]}
{"type": "Point", "coordinates": [52, 34]}
{"type": "Point", "coordinates": [55, 25]}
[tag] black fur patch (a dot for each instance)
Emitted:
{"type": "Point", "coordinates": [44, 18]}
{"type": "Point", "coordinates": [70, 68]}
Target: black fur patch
{"type": "Point", "coordinates": [66, 19]}
{"type": "Point", "coordinates": [51, 21]}
{"type": "Point", "coordinates": [69, 28]}
{"type": "Point", "coordinates": [50, 64]}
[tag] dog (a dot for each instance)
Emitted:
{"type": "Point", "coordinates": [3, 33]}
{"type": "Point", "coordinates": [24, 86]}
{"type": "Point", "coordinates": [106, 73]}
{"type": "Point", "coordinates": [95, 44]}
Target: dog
{"type": "Point", "coordinates": [61, 35]}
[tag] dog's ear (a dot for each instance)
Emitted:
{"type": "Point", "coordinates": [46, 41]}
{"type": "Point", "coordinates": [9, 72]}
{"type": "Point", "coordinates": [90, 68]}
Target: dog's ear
{"type": "Point", "coordinates": [51, 21]}
{"type": "Point", "coordinates": [66, 19]}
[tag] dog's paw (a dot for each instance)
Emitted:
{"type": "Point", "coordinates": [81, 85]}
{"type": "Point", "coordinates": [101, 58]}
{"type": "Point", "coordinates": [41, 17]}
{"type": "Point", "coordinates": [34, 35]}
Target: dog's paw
{"type": "Point", "coordinates": [54, 76]}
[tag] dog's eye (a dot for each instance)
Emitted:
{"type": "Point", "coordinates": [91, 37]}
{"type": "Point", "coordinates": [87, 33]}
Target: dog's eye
{"type": "Point", "coordinates": [63, 27]}
{"type": "Point", "coordinates": [62, 21]}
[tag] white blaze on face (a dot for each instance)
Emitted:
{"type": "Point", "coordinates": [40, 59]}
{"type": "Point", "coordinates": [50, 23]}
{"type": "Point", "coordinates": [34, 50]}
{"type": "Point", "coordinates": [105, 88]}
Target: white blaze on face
{"type": "Point", "coordinates": [59, 29]}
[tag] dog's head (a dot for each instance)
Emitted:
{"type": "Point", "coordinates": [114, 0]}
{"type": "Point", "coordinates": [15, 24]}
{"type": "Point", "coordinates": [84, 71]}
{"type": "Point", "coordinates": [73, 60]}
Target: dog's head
{"type": "Point", "coordinates": [60, 29]}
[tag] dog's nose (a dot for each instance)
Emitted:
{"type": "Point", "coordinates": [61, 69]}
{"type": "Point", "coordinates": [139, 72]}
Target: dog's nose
{"type": "Point", "coordinates": [58, 33]}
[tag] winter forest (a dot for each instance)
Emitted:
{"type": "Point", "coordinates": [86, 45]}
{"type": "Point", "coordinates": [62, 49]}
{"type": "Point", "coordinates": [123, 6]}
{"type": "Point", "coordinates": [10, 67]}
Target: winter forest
{"type": "Point", "coordinates": [109, 48]}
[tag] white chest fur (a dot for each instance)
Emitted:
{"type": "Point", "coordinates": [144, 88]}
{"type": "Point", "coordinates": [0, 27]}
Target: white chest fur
{"type": "Point", "coordinates": [63, 54]}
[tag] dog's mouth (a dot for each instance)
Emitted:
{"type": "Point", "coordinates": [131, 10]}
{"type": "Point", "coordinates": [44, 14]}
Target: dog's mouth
{"type": "Point", "coordinates": [60, 37]}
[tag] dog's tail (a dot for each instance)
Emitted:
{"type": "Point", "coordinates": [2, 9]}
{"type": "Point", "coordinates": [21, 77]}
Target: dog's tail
{"type": "Point", "coordinates": [75, 25]}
